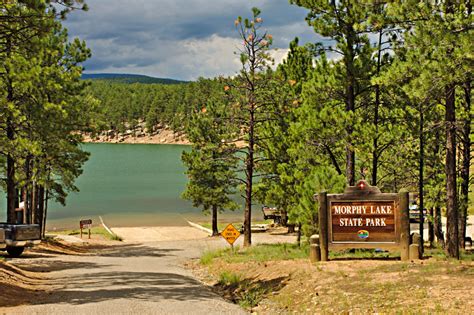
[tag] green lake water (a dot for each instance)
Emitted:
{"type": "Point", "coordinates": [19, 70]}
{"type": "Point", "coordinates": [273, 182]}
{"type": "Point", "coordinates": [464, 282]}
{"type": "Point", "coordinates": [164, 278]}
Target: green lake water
{"type": "Point", "coordinates": [130, 185]}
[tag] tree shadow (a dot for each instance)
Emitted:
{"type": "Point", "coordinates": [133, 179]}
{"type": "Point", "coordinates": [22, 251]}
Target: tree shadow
{"type": "Point", "coordinates": [55, 265]}
{"type": "Point", "coordinates": [134, 250]}
{"type": "Point", "coordinates": [13, 295]}
{"type": "Point", "coordinates": [144, 286]}
{"type": "Point", "coordinates": [85, 285]}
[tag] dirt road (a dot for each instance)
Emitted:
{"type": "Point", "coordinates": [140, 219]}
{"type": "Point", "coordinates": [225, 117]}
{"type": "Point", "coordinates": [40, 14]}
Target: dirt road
{"type": "Point", "coordinates": [138, 278]}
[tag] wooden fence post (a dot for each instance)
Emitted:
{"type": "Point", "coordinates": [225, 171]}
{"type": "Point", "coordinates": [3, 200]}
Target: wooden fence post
{"type": "Point", "coordinates": [323, 225]}
{"type": "Point", "coordinates": [414, 252]}
{"type": "Point", "coordinates": [314, 249]}
{"type": "Point", "coordinates": [404, 226]}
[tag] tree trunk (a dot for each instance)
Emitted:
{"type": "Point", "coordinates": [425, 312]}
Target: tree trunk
{"type": "Point", "coordinates": [421, 165]}
{"type": "Point", "coordinates": [34, 202]}
{"type": "Point", "coordinates": [40, 207]}
{"type": "Point", "coordinates": [45, 212]}
{"type": "Point", "coordinates": [27, 192]}
{"type": "Point", "coordinates": [215, 230]}
{"type": "Point", "coordinates": [298, 236]}
{"type": "Point", "coordinates": [375, 153]}
{"type": "Point", "coordinates": [350, 104]}
{"type": "Point", "coordinates": [438, 227]}
{"type": "Point", "coordinates": [12, 196]}
{"type": "Point", "coordinates": [24, 199]}
{"type": "Point", "coordinates": [466, 163]}
{"type": "Point", "coordinates": [249, 184]}
{"type": "Point", "coordinates": [452, 214]}
{"type": "Point", "coordinates": [431, 234]}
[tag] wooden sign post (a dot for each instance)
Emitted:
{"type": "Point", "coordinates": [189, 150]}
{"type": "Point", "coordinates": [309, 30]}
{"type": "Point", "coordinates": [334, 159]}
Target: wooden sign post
{"type": "Point", "coordinates": [86, 224]}
{"type": "Point", "coordinates": [363, 217]}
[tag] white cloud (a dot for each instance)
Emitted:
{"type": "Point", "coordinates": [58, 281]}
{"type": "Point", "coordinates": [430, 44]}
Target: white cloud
{"type": "Point", "coordinates": [181, 39]}
{"type": "Point", "coordinates": [185, 59]}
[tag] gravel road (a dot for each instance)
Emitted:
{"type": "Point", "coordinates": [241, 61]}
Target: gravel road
{"type": "Point", "coordinates": [132, 278]}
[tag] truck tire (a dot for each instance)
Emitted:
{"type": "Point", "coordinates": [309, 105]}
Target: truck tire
{"type": "Point", "coordinates": [15, 251]}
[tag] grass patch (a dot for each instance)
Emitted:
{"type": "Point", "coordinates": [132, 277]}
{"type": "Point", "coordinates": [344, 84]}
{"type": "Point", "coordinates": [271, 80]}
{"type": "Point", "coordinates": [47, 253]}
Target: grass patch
{"type": "Point", "coordinates": [438, 284]}
{"type": "Point", "coordinates": [98, 230]}
{"type": "Point", "coordinates": [245, 292]}
{"type": "Point", "coordinates": [439, 254]}
{"type": "Point", "coordinates": [252, 296]}
{"type": "Point", "coordinates": [229, 278]}
{"type": "Point", "coordinates": [261, 252]}
{"type": "Point", "coordinates": [208, 256]}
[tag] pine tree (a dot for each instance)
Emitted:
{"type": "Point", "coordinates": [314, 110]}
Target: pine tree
{"type": "Point", "coordinates": [211, 164]}
{"type": "Point", "coordinates": [251, 102]}
{"type": "Point", "coordinates": [41, 80]}
{"type": "Point", "coordinates": [344, 22]}
{"type": "Point", "coordinates": [436, 45]}
{"type": "Point", "coordinates": [278, 184]}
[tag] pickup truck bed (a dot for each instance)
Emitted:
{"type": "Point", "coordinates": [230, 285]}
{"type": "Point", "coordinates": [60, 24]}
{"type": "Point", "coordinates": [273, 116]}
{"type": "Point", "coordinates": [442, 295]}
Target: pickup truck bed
{"type": "Point", "coordinates": [19, 235]}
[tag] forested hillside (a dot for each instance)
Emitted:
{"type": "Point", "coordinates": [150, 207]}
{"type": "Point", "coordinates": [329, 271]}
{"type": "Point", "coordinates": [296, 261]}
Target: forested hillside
{"type": "Point", "coordinates": [128, 78]}
{"type": "Point", "coordinates": [124, 107]}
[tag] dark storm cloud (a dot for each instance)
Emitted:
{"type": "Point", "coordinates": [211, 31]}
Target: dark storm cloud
{"type": "Point", "coordinates": [182, 39]}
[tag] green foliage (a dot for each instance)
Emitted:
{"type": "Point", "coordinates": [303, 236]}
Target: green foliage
{"type": "Point", "coordinates": [95, 230]}
{"type": "Point", "coordinates": [252, 104]}
{"type": "Point", "coordinates": [278, 186]}
{"type": "Point", "coordinates": [123, 106]}
{"type": "Point", "coordinates": [42, 98]}
{"type": "Point", "coordinates": [229, 278]}
{"type": "Point", "coordinates": [211, 165]}
{"type": "Point", "coordinates": [259, 252]}
{"type": "Point", "coordinates": [246, 293]}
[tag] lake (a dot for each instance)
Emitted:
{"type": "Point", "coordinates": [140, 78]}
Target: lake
{"type": "Point", "coordinates": [130, 185]}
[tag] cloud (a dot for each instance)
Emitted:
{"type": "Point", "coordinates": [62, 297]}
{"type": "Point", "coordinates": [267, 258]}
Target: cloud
{"type": "Point", "coordinates": [185, 59]}
{"type": "Point", "coordinates": [182, 39]}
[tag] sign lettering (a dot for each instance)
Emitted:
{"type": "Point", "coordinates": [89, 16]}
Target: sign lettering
{"type": "Point", "coordinates": [363, 221]}
{"type": "Point", "coordinates": [231, 234]}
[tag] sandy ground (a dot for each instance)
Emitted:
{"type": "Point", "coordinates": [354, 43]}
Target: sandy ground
{"type": "Point", "coordinates": [130, 278]}
{"type": "Point", "coordinates": [181, 233]}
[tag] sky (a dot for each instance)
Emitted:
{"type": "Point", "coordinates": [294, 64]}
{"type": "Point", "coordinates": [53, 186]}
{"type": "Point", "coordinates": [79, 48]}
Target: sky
{"type": "Point", "coordinates": [179, 39]}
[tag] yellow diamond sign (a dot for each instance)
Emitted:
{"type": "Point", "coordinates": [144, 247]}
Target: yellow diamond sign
{"type": "Point", "coordinates": [230, 233]}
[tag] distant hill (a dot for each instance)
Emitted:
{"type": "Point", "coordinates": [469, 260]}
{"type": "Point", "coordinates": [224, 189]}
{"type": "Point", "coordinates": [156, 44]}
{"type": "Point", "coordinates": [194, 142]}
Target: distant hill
{"type": "Point", "coordinates": [128, 78]}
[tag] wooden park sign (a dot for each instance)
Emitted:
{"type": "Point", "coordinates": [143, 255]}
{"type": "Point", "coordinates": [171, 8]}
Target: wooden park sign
{"type": "Point", "coordinates": [86, 224]}
{"type": "Point", "coordinates": [363, 217]}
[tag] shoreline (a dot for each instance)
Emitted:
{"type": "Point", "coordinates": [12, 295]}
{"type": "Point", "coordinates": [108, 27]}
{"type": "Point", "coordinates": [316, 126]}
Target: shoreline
{"type": "Point", "coordinates": [163, 136]}
{"type": "Point", "coordinates": [144, 220]}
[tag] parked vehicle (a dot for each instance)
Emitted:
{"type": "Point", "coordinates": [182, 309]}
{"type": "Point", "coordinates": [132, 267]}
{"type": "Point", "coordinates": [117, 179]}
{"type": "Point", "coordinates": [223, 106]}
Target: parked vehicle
{"type": "Point", "coordinates": [277, 215]}
{"type": "Point", "coordinates": [15, 237]}
{"type": "Point", "coordinates": [415, 213]}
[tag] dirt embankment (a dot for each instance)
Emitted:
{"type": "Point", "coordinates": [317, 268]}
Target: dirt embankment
{"type": "Point", "coordinates": [345, 286]}
{"type": "Point", "coordinates": [18, 286]}
{"type": "Point", "coordinates": [24, 283]}
{"type": "Point", "coordinates": [140, 135]}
